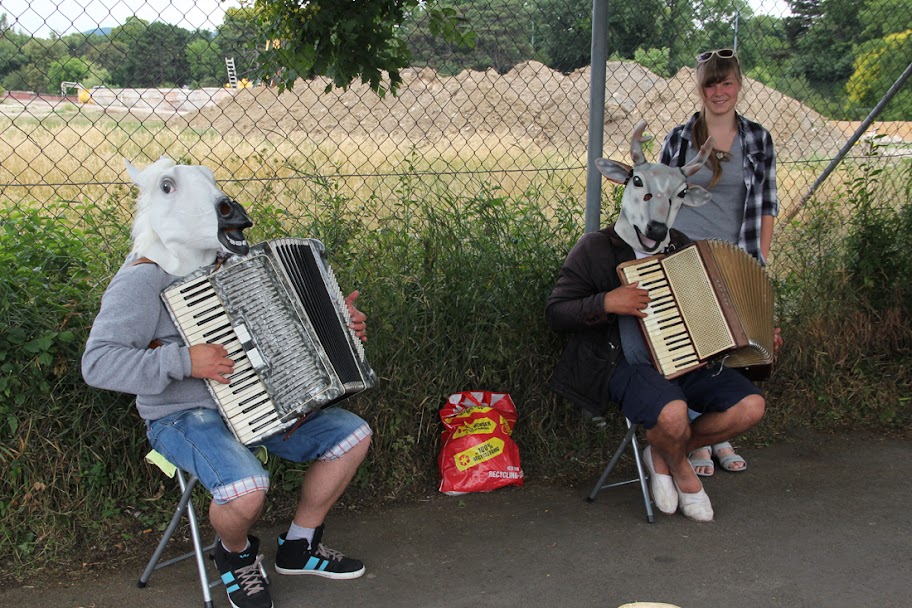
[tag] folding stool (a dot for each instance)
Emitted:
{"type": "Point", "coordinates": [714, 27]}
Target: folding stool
{"type": "Point", "coordinates": [184, 507]}
{"type": "Point", "coordinates": [630, 439]}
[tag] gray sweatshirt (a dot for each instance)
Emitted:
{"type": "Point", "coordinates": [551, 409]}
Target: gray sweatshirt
{"type": "Point", "coordinates": [118, 357]}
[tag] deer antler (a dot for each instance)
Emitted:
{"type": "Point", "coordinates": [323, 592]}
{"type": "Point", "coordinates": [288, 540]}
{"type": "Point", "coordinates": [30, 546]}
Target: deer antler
{"type": "Point", "coordinates": [636, 143]}
{"type": "Point", "coordinates": [694, 165]}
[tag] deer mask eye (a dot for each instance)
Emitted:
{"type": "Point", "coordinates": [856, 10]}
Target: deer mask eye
{"type": "Point", "coordinates": [682, 193]}
{"type": "Point", "coordinates": [167, 185]}
{"type": "Point", "coordinates": [637, 181]}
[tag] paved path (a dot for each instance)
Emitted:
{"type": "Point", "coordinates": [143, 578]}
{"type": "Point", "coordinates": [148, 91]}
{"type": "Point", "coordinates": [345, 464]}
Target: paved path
{"type": "Point", "coordinates": [815, 522]}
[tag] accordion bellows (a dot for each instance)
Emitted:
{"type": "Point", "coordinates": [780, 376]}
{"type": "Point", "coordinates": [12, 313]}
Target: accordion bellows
{"type": "Point", "coordinates": [710, 300]}
{"type": "Point", "coordinates": [279, 312]}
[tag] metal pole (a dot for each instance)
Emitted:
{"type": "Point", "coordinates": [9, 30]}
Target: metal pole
{"type": "Point", "coordinates": [596, 113]}
{"type": "Point", "coordinates": [855, 137]}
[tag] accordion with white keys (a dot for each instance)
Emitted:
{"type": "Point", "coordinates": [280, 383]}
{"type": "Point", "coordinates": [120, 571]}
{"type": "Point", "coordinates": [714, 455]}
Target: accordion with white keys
{"type": "Point", "coordinates": [280, 314]}
{"type": "Point", "coordinates": [710, 300]}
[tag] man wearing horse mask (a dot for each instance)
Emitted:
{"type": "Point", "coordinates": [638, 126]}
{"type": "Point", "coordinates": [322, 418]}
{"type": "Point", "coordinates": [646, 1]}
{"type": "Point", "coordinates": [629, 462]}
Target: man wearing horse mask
{"type": "Point", "coordinates": [183, 223]}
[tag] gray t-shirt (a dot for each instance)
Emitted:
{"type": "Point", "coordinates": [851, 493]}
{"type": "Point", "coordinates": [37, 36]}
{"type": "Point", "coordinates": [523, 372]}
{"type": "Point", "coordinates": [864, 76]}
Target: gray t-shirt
{"type": "Point", "coordinates": [721, 217]}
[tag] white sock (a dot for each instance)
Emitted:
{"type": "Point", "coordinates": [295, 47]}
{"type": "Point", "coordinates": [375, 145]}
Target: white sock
{"type": "Point", "coordinates": [247, 546]}
{"type": "Point", "coordinates": [296, 532]}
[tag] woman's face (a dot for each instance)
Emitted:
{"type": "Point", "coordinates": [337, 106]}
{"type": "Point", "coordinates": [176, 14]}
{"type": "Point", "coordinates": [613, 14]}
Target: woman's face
{"type": "Point", "coordinates": [721, 97]}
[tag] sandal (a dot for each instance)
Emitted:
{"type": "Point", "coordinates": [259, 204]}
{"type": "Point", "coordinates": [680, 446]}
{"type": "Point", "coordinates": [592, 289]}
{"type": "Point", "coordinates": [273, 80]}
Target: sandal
{"type": "Point", "coordinates": [726, 462]}
{"type": "Point", "coordinates": [705, 463]}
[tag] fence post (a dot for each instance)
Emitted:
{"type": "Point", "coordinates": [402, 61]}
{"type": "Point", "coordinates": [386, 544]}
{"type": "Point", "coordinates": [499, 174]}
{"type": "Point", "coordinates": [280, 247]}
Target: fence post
{"type": "Point", "coordinates": [599, 55]}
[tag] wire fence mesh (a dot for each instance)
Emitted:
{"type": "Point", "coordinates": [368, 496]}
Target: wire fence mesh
{"type": "Point", "coordinates": [86, 86]}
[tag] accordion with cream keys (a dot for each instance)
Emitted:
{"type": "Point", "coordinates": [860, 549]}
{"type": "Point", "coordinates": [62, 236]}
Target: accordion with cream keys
{"type": "Point", "coordinates": [710, 301]}
{"type": "Point", "coordinates": [280, 314]}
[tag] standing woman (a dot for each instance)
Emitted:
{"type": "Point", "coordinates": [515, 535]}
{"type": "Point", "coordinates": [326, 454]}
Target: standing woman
{"type": "Point", "coordinates": [740, 174]}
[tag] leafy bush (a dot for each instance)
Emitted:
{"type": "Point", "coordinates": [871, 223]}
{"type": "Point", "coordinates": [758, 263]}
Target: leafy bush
{"type": "Point", "coordinates": [848, 344]}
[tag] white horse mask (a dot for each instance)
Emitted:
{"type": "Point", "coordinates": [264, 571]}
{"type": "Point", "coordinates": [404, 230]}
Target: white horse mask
{"type": "Point", "coordinates": [183, 220]}
{"type": "Point", "coordinates": [653, 194]}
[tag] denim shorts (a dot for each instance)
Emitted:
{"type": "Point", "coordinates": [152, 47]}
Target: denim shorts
{"type": "Point", "coordinates": [643, 392]}
{"type": "Point", "coordinates": [199, 442]}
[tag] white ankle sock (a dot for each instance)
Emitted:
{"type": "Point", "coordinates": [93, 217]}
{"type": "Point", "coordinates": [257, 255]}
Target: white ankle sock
{"type": "Point", "coordinates": [247, 546]}
{"type": "Point", "coordinates": [296, 532]}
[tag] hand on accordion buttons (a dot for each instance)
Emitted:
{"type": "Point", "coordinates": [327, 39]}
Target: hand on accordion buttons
{"type": "Point", "coordinates": [358, 319]}
{"type": "Point", "coordinates": [210, 361]}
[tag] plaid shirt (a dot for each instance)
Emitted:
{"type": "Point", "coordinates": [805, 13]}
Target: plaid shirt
{"type": "Point", "coordinates": [759, 173]}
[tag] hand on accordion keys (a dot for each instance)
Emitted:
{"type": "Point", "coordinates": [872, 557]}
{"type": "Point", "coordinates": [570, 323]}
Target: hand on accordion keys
{"type": "Point", "coordinates": [210, 361]}
{"type": "Point", "coordinates": [628, 299]}
{"type": "Point", "coordinates": [358, 319]}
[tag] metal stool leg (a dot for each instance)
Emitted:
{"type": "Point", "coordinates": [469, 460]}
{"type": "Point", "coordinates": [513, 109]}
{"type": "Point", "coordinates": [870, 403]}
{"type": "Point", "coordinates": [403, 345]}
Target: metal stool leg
{"type": "Point", "coordinates": [183, 507]}
{"type": "Point", "coordinates": [641, 474]}
{"type": "Point", "coordinates": [629, 440]}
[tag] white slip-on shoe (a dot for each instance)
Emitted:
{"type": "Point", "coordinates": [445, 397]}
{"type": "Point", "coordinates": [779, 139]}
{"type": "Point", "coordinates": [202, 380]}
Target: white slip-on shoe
{"type": "Point", "coordinates": [662, 486]}
{"type": "Point", "coordinates": [694, 505]}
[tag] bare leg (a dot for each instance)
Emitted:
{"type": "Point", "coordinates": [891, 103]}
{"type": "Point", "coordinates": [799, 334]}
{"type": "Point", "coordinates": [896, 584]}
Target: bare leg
{"type": "Point", "coordinates": [670, 440]}
{"type": "Point", "coordinates": [324, 483]}
{"type": "Point", "coordinates": [234, 519]}
{"type": "Point", "coordinates": [715, 427]}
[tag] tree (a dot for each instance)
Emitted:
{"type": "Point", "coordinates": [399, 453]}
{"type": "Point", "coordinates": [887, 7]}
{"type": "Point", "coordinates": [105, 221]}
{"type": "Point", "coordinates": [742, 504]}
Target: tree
{"type": "Point", "coordinates": [343, 40]}
{"type": "Point", "coordinates": [825, 50]}
{"type": "Point", "coordinates": [564, 33]}
{"type": "Point", "coordinates": [74, 69]}
{"type": "Point", "coordinates": [11, 59]}
{"type": "Point", "coordinates": [238, 37]}
{"type": "Point", "coordinates": [156, 57]}
{"type": "Point", "coordinates": [566, 30]}
{"type": "Point", "coordinates": [878, 65]}
{"type": "Point", "coordinates": [37, 55]}
{"type": "Point", "coordinates": [204, 62]}
{"type": "Point", "coordinates": [503, 31]}
{"type": "Point", "coordinates": [882, 17]}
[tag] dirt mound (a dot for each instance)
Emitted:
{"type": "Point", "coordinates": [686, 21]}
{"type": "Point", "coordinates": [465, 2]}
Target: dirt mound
{"type": "Point", "coordinates": [531, 102]}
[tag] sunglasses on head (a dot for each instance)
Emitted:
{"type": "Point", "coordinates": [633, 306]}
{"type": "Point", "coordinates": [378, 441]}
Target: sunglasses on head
{"type": "Point", "coordinates": [720, 53]}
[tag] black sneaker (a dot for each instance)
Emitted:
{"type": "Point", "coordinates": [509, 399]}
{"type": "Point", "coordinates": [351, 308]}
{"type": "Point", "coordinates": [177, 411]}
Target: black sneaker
{"type": "Point", "coordinates": [299, 557]}
{"type": "Point", "coordinates": [242, 576]}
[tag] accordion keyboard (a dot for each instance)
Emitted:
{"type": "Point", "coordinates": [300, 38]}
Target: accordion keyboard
{"type": "Point", "coordinates": [671, 342]}
{"type": "Point", "coordinates": [203, 320]}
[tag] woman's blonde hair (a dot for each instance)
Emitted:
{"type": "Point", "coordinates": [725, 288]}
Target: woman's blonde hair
{"type": "Point", "coordinates": [712, 71]}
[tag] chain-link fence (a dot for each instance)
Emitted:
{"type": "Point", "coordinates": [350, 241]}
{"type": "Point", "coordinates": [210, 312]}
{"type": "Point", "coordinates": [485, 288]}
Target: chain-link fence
{"type": "Point", "coordinates": [86, 86]}
{"type": "Point", "coordinates": [86, 89]}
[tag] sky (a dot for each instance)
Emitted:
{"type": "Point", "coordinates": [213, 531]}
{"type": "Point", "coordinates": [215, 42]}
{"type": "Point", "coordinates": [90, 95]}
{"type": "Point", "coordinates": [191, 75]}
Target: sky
{"type": "Point", "coordinates": [40, 17]}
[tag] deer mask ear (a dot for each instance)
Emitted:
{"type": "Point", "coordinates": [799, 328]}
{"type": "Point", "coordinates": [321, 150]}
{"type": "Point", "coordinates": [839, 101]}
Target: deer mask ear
{"type": "Point", "coordinates": [615, 171]}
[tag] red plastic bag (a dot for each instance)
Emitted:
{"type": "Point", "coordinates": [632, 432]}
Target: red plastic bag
{"type": "Point", "coordinates": [478, 453]}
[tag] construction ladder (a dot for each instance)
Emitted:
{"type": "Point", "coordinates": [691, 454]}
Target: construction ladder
{"type": "Point", "coordinates": [232, 73]}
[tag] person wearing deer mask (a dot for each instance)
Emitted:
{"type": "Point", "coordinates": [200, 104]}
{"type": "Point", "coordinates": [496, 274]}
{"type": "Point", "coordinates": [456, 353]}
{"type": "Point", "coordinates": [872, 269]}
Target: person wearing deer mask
{"type": "Point", "coordinates": [606, 360]}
